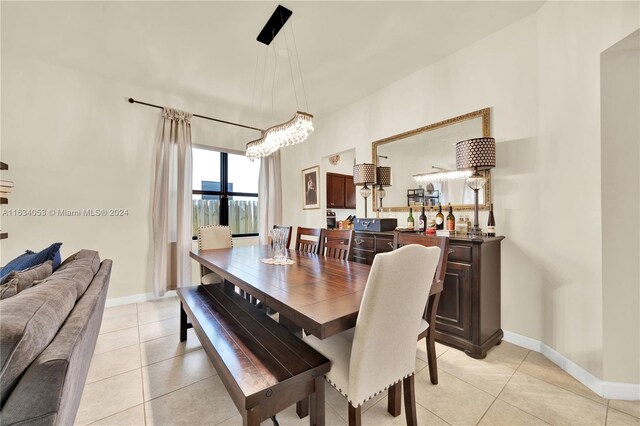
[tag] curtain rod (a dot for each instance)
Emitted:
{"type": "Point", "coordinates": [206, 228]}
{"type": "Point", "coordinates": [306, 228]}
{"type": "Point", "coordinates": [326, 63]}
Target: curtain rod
{"type": "Point", "coordinates": [133, 101]}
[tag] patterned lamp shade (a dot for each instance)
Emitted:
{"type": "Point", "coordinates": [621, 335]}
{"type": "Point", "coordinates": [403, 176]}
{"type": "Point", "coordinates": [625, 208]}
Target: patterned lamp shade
{"type": "Point", "coordinates": [383, 176]}
{"type": "Point", "coordinates": [364, 174]}
{"type": "Point", "coordinates": [478, 153]}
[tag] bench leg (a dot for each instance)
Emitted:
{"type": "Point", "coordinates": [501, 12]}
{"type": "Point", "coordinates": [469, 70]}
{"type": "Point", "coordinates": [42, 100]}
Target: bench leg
{"type": "Point", "coordinates": [302, 408]}
{"type": "Point", "coordinates": [317, 403]}
{"type": "Point", "coordinates": [183, 324]}
{"type": "Point", "coordinates": [251, 417]}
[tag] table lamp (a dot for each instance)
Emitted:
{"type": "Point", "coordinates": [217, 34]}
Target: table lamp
{"type": "Point", "coordinates": [364, 174]}
{"type": "Point", "coordinates": [383, 179]}
{"type": "Point", "coordinates": [476, 154]}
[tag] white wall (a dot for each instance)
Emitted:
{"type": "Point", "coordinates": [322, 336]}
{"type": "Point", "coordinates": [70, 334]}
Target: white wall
{"type": "Point", "coordinates": [620, 75]}
{"type": "Point", "coordinates": [72, 141]}
{"type": "Point", "coordinates": [540, 76]}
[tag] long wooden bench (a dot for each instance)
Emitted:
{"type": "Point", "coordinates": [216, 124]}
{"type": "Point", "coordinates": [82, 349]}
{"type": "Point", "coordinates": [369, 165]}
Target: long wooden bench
{"type": "Point", "coordinates": [264, 367]}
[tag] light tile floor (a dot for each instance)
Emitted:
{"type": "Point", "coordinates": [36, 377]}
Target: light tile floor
{"type": "Point", "coordinates": [141, 374]}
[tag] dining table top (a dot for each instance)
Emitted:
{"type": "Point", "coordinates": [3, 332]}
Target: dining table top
{"type": "Point", "coordinates": [317, 293]}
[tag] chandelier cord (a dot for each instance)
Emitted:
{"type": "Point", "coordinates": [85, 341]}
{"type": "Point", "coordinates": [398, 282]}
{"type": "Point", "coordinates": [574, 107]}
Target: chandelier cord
{"type": "Point", "coordinates": [264, 76]}
{"type": "Point", "coordinates": [293, 83]}
{"type": "Point", "coordinates": [295, 47]}
{"type": "Point", "coordinates": [275, 68]}
{"type": "Point", "coordinates": [255, 78]}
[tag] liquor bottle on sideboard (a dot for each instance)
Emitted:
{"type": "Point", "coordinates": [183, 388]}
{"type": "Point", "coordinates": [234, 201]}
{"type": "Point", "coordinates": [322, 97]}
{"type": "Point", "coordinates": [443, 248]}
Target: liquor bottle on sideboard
{"type": "Point", "coordinates": [422, 221]}
{"type": "Point", "coordinates": [491, 224]}
{"type": "Point", "coordinates": [451, 220]}
{"type": "Point", "coordinates": [439, 218]}
{"type": "Point", "coordinates": [410, 222]}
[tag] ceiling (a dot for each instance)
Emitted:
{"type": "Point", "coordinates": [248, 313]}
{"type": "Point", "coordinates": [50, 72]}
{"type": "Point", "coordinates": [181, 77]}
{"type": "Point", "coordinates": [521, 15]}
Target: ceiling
{"type": "Point", "coordinates": [347, 50]}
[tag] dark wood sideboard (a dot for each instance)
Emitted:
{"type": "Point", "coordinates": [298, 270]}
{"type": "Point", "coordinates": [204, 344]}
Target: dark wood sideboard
{"type": "Point", "coordinates": [468, 315]}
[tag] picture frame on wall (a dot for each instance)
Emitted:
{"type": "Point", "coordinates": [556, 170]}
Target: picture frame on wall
{"type": "Point", "coordinates": [311, 188]}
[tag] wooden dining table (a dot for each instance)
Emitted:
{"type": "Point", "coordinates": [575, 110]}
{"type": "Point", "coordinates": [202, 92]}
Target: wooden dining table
{"type": "Point", "coordinates": [316, 293]}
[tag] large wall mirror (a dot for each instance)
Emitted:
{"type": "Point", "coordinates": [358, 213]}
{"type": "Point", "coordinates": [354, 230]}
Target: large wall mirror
{"type": "Point", "coordinates": [430, 149]}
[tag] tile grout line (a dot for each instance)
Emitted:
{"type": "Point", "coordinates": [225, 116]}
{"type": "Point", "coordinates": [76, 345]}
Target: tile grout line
{"type": "Point", "coordinates": [606, 404]}
{"type": "Point", "coordinates": [180, 388]}
{"type": "Point", "coordinates": [432, 412]}
{"type": "Point", "coordinates": [114, 414]}
{"type": "Point", "coordinates": [144, 409]}
{"type": "Point", "coordinates": [504, 387]}
{"type": "Point", "coordinates": [523, 410]}
{"type": "Point", "coordinates": [563, 388]}
{"type": "Point", "coordinates": [487, 410]}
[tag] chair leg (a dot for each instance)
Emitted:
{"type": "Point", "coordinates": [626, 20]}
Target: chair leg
{"type": "Point", "coordinates": [431, 358]}
{"type": "Point", "coordinates": [355, 415]}
{"type": "Point", "coordinates": [395, 399]}
{"type": "Point", "coordinates": [409, 386]}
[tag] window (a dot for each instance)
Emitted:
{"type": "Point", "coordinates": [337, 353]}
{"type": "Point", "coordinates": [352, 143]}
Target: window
{"type": "Point", "coordinates": [225, 191]}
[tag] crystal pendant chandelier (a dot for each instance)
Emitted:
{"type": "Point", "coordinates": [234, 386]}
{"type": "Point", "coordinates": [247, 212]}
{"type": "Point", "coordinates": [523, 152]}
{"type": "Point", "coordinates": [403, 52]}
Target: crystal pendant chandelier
{"type": "Point", "coordinates": [298, 128]}
{"type": "Point", "coordinates": [292, 132]}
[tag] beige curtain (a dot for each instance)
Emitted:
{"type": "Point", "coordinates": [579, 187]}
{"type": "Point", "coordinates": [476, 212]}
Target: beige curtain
{"type": "Point", "coordinates": [269, 195]}
{"type": "Point", "coordinates": [171, 210]}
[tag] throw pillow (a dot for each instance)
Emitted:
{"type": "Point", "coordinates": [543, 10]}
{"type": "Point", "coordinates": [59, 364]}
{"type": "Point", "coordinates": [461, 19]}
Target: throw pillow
{"type": "Point", "coordinates": [19, 281]}
{"type": "Point", "coordinates": [30, 259]}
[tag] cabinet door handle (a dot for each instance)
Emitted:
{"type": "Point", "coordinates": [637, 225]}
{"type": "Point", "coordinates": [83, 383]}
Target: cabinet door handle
{"type": "Point", "coordinates": [390, 244]}
{"type": "Point", "coordinates": [451, 251]}
{"type": "Point", "coordinates": [358, 241]}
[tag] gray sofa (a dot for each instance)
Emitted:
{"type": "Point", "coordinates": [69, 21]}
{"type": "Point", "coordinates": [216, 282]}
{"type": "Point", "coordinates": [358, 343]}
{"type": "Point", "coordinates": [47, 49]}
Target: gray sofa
{"type": "Point", "coordinates": [48, 333]}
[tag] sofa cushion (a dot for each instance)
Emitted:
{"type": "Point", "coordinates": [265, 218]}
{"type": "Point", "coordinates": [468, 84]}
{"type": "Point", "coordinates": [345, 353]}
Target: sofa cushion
{"type": "Point", "coordinates": [30, 259]}
{"type": "Point", "coordinates": [18, 281]}
{"type": "Point", "coordinates": [79, 268]}
{"type": "Point", "coordinates": [28, 323]}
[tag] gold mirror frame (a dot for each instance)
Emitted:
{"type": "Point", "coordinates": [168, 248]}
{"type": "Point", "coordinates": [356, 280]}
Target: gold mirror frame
{"type": "Point", "coordinates": [486, 132]}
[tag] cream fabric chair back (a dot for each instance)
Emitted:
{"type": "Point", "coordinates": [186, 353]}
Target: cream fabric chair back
{"type": "Point", "coordinates": [384, 344]}
{"type": "Point", "coordinates": [214, 236]}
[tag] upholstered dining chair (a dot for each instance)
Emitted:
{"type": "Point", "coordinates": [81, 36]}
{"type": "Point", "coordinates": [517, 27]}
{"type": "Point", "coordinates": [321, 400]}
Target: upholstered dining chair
{"type": "Point", "coordinates": [213, 237]}
{"type": "Point", "coordinates": [290, 228]}
{"type": "Point", "coordinates": [383, 350]}
{"type": "Point", "coordinates": [428, 325]}
{"type": "Point", "coordinates": [308, 239]}
{"type": "Point", "coordinates": [336, 243]}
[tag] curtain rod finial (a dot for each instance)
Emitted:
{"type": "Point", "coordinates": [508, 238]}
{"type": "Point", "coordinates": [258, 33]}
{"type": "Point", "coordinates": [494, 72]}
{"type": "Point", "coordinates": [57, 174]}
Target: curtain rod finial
{"type": "Point", "coordinates": [131, 100]}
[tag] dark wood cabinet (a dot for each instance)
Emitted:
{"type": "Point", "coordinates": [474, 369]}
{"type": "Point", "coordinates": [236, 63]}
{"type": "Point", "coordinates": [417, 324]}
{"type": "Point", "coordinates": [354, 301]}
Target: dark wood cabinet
{"type": "Point", "coordinates": [468, 316]}
{"type": "Point", "coordinates": [341, 193]}
{"type": "Point", "coordinates": [349, 192]}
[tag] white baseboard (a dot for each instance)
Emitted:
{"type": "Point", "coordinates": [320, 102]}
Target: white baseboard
{"type": "Point", "coordinates": [609, 390]}
{"type": "Point", "coordinates": [135, 298]}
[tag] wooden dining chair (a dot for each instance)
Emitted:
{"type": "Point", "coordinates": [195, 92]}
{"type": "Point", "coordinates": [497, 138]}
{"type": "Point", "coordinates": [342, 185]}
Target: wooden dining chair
{"type": "Point", "coordinates": [213, 237]}
{"type": "Point", "coordinates": [383, 350]}
{"type": "Point", "coordinates": [428, 325]}
{"type": "Point", "coordinates": [336, 243]}
{"type": "Point", "coordinates": [308, 240]}
{"type": "Point", "coordinates": [290, 228]}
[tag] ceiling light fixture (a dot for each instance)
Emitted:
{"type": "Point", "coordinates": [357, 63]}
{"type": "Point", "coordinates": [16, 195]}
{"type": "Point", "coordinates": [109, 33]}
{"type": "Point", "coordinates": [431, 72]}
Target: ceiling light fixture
{"type": "Point", "coordinates": [298, 128]}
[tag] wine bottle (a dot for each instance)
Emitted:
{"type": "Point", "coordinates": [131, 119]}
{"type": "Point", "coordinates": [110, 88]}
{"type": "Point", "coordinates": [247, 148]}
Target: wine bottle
{"type": "Point", "coordinates": [439, 218]}
{"type": "Point", "coordinates": [422, 221]}
{"type": "Point", "coordinates": [491, 224]}
{"type": "Point", "coordinates": [451, 220]}
{"type": "Point", "coordinates": [410, 222]}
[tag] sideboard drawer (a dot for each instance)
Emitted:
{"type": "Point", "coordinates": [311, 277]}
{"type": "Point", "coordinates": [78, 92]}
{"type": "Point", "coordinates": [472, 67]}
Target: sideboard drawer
{"type": "Point", "coordinates": [383, 244]}
{"type": "Point", "coordinates": [459, 253]}
{"type": "Point", "coordinates": [363, 243]}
